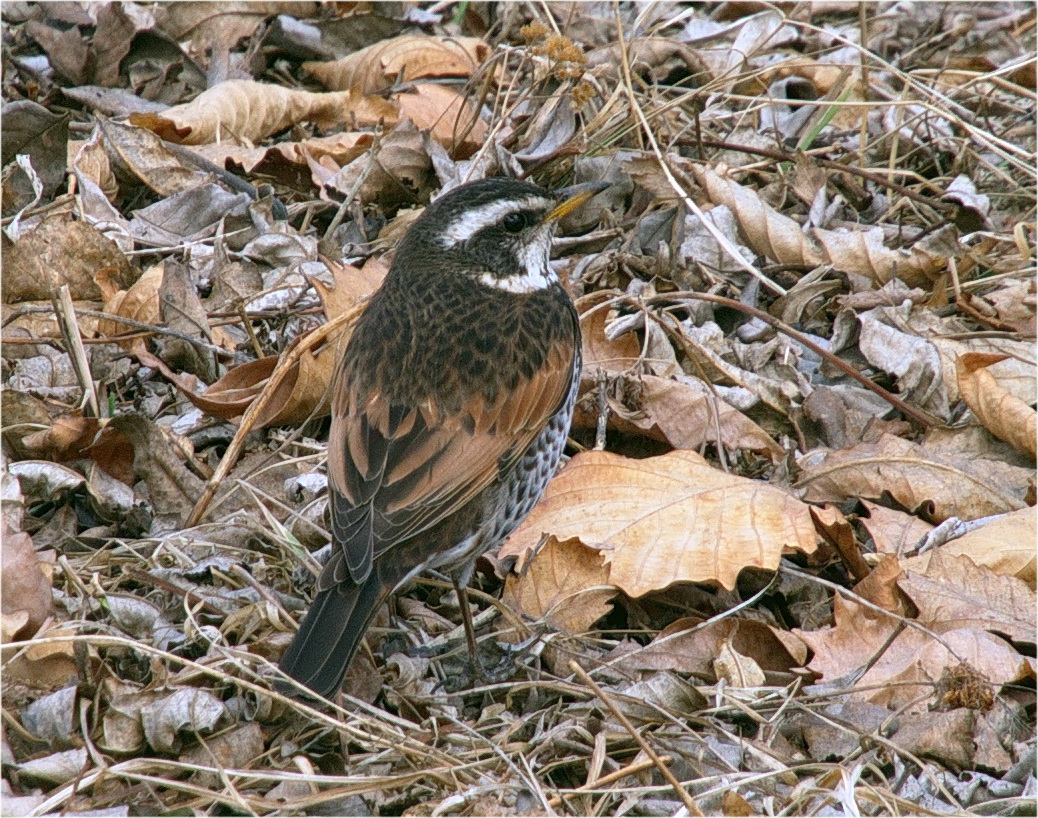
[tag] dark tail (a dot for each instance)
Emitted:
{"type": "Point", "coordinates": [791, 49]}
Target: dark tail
{"type": "Point", "coordinates": [321, 652]}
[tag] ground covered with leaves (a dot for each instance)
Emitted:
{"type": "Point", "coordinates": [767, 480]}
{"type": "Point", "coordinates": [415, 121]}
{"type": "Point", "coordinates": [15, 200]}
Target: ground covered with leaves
{"type": "Point", "coordinates": [789, 567]}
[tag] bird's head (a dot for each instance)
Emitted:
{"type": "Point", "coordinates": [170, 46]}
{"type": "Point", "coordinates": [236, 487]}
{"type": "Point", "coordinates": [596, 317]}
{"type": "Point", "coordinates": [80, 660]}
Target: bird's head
{"type": "Point", "coordinates": [496, 231]}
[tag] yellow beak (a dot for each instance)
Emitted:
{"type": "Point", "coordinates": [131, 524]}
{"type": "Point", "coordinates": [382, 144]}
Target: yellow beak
{"type": "Point", "coordinates": [573, 197]}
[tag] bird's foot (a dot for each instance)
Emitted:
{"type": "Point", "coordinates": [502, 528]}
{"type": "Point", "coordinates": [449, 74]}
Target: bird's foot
{"type": "Point", "coordinates": [495, 663]}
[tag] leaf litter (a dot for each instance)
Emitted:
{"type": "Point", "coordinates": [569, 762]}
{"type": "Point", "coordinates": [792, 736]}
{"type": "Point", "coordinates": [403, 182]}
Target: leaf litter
{"type": "Point", "coordinates": [789, 566]}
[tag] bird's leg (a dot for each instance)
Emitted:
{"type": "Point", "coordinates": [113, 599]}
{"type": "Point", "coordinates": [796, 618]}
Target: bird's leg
{"type": "Point", "coordinates": [461, 589]}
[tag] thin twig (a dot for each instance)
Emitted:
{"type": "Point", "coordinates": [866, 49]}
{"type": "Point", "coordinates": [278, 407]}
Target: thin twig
{"type": "Point", "coordinates": [623, 772]}
{"type": "Point", "coordinates": [65, 311]}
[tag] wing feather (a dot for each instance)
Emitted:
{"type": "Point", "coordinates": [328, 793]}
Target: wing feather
{"type": "Point", "coordinates": [395, 470]}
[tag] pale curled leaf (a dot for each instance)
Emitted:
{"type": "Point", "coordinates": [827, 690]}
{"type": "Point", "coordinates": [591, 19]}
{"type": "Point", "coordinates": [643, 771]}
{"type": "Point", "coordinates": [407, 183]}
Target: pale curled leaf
{"type": "Point", "coordinates": [1005, 545]}
{"type": "Point", "coordinates": [250, 110]}
{"type": "Point", "coordinates": [1005, 416]}
{"type": "Point", "coordinates": [667, 519]}
{"type": "Point", "coordinates": [766, 231]}
{"type": "Point", "coordinates": [189, 709]}
{"type": "Point", "coordinates": [407, 57]}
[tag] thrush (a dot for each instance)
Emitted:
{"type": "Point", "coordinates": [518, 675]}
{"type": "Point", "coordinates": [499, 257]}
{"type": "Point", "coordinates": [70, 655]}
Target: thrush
{"type": "Point", "coordinates": [450, 409]}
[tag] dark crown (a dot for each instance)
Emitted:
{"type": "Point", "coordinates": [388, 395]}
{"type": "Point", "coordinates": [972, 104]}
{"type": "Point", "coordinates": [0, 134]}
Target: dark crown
{"type": "Point", "coordinates": [494, 226]}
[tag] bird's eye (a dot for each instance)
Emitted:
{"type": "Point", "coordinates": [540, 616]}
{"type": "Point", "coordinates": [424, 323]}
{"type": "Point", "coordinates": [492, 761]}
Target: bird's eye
{"type": "Point", "coordinates": [514, 222]}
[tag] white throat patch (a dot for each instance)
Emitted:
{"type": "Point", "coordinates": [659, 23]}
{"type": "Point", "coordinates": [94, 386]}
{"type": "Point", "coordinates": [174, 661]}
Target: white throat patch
{"type": "Point", "coordinates": [467, 224]}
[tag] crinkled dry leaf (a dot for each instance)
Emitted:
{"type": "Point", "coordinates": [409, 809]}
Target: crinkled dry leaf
{"type": "Point", "coordinates": [1015, 303]}
{"type": "Point", "coordinates": [405, 58]}
{"type": "Point", "coordinates": [190, 709]}
{"type": "Point", "coordinates": [398, 171]}
{"type": "Point", "coordinates": [140, 152]}
{"type": "Point", "coordinates": [236, 749]}
{"type": "Point", "coordinates": [56, 768]}
{"type": "Point", "coordinates": [245, 109]}
{"type": "Point", "coordinates": [968, 488]}
{"type": "Point", "coordinates": [248, 110]}
{"type": "Point", "coordinates": [72, 437]}
{"type": "Point", "coordinates": [172, 488]}
{"type": "Point", "coordinates": [880, 586]}
{"type": "Point", "coordinates": [620, 354]}
{"type": "Point", "coordinates": [943, 737]}
{"type": "Point", "coordinates": [343, 148]}
{"type": "Point", "coordinates": [956, 593]}
{"type": "Point", "coordinates": [446, 115]}
{"type": "Point", "coordinates": [656, 57]}
{"type": "Point", "coordinates": [765, 230]}
{"type": "Point", "coordinates": [303, 393]}
{"type": "Point", "coordinates": [1005, 545]}
{"type": "Point", "coordinates": [913, 359]}
{"type": "Point", "coordinates": [566, 584]}
{"type": "Point", "coordinates": [690, 645]}
{"type": "Point", "coordinates": [210, 24]}
{"type": "Point", "coordinates": [778, 237]}
{"type": "Point", "coordinates": [58, 252]}
{"type": "Point", "coordinates": [904, 673]}
{"type": "Point", "coordinates": [685, 413]}
{"type": "Point", "coordinates": [1005, 416]}
{"type": "Point", "coordinates": [666, 519]}
{"type": "Point", "coordinates": [893, 531]}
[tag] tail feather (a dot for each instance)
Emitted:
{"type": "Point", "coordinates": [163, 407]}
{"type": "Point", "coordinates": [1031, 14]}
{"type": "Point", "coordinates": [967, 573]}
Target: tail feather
{"type": "Point", "coordinates": [330, 633]}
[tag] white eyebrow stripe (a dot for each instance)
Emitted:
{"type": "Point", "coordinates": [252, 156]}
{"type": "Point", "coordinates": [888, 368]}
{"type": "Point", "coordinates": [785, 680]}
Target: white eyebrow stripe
{"type": "Point", "coordinates": [467, 224]}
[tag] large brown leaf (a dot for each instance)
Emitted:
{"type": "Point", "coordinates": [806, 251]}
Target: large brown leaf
{"type": "Point", "coordinates": [667, 519]}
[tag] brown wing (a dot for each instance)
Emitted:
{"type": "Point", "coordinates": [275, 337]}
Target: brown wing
{"type": "Point", "coordinates": [395, 471]}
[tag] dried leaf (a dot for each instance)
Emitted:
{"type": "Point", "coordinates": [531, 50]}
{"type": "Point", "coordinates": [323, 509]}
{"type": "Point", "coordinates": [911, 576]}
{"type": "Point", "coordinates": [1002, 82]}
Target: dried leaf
{"type": "Point", "coordinates": [956, 593]}
{"type": "Point", "coordinates": [1005, 545]}
{"type": "Point", "coordinates": [139, 303]}
{"type": "Point", "coordinates": [690, 645]}
{"type": "Point", "coordinates": [566, 584]}
{"type": "Point", "coordinates": [405, 58]}
{"type": "Point", "coordinates": [620, 354]}
{"type": "Point", "coordinates": [26, 600]}
{"type": "Point", "coordinates": [968, 488]}
{"type": "Point", "coordinates": [778, 237]}
{"type": "Point", "coordinates": [1007, 417]}
{"type": "Point", "coordinates": [250, 110]}
{"type": "Point", "coordinates": [666, 519]}
{"type": "Point", "coordinates": [58, 252]}
{"type": "Point", "coordinates": [685, 413]}
{"type": "Point", "coordinates": [903, 675]}
{"type": "Point", "coordinates": [893, 531]}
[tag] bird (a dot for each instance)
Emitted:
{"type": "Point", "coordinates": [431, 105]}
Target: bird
{"type": "Point", "coordinates": [450, 409]}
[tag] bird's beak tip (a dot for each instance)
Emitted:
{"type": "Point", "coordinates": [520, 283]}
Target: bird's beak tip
{"type": "Point", "coordinates": [575, 196]}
